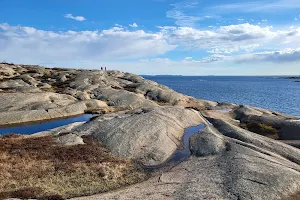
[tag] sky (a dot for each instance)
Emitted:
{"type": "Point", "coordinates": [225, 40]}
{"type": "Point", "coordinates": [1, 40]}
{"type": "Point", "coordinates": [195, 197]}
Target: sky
{"type": "Point", "coordinates": [176, 37]}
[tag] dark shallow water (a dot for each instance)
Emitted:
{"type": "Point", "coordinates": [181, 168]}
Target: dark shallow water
{"type": "Point", "coordinates": [275, 93]}
{"type": "Point", "coordinates": [184, 153]}
{"type": "Point", "coordinates": [181, 154]}
{"type": "Point", "coordinates": [43, 126]}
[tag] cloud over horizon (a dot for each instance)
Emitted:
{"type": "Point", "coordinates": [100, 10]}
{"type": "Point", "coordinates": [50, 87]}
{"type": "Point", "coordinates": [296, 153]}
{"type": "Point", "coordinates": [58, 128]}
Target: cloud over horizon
{"type": "Point", "coordinates": [156, 36]}
{"type": "Point", "coordinates": [232, 44]}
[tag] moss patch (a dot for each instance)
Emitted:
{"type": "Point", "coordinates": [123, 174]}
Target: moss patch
{"type": "Point", "coordinates": [262, 129]}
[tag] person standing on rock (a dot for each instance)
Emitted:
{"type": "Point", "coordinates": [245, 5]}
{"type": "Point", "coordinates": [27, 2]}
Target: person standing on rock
{"type": "Point", "coordinates": [105, 68]}
{"type": "Point", "coordinates": [101, 68]}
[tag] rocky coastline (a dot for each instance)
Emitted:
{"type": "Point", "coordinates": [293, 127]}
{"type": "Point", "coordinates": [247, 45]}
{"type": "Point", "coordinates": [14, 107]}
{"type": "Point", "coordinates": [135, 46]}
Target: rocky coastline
{"type": "Point", "coordinates": [243, 152]}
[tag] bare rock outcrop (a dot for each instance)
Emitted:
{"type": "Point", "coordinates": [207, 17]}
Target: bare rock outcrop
{"type": "Point", "coordinates": [145, 121]}
{"type": "Point", "coordinates": [28, 107]}
{"type": "Point", "coordinates": [288, 127]}
{"type": "Point", "coordinates": [151, 136]}
{"type": "Point", "coordinates": [248, 166]}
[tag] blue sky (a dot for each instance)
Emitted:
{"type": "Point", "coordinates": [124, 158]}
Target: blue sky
{"type": "Point", "coordinates": [189, 37]}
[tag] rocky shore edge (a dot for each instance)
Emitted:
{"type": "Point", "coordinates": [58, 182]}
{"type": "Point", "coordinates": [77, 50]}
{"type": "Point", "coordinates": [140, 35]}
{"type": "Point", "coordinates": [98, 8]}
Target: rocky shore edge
{"type": "Point", "coordinates": [243, 152]}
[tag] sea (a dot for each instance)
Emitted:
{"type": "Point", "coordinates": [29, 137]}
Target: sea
{"type": "Point", "coordinates": [276, 93]}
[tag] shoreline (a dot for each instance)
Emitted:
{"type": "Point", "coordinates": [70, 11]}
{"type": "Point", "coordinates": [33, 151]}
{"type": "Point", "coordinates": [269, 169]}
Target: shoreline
{"type": "Point", "coordinates": [140, 120]}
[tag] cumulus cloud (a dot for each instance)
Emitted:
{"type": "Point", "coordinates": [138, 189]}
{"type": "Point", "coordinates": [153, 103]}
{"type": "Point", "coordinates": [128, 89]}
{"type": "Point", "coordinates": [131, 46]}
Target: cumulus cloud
{"type": "Point", "coordinates": [287, 55]}
{"type": "Point", "coordinates": [134, 25]}
{"type": "Point", "coordinates": [233, 38]}
{"type": "Point", "coordinates": [234, 43]}
{"type": "Point", "coordinates": [27, 44]}
{"type": "Point", "coordinates": [77, 18]}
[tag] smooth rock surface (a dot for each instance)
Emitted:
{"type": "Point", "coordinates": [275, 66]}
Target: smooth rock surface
{"type": "Point", "coordinates": [206, 143]}
{"type": "Point", "coordinates": [150, 137]}
{"type": "Point", "coordinates": [251, 167]}
{"type": "Point", "coordinates": [28, 107]}
{"type": "Point", "coordinates": [59, 130]}
{"type": "Point", "coordinates": [143, 120]}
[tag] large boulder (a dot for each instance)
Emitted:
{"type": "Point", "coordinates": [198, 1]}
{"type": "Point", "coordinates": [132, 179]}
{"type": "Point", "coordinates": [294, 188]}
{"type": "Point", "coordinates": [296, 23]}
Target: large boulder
{"type": "Point", "coordinates": [150, 136]}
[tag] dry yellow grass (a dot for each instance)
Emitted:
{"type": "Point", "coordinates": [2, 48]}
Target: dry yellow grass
{"type": "Point", "coordinates": [39, 168]}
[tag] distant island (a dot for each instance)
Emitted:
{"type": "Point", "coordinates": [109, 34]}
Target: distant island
{"type": "Point", "coordinates": [296, 78]}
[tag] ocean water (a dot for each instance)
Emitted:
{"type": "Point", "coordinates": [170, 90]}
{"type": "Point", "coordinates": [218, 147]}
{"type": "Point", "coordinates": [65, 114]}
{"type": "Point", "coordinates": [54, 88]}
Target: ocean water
{"type": "Point", "coordinates": [275, 93]}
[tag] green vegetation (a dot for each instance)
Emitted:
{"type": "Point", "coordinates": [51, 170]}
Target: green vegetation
{"type": "Point", "coordinates": [37, 167]}
{"type": "Point", "coordinates": [262, 129]}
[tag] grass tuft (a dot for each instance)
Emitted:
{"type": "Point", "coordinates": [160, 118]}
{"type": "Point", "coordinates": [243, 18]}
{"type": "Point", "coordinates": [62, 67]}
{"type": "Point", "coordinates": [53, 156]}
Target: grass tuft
{"type": "Point", "coordinates": [38, 167]}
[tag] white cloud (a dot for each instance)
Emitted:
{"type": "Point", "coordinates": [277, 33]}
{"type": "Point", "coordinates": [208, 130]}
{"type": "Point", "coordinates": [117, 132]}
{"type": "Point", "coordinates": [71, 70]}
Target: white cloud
{"type": "Point", "coordinates": [239, 43]}
{"type": "Point", "coordinates": [233, 38]}
{"type": "Point", "coordinates": [255, 6]}
{"type": "Point", "coordinates": [118, 25]}
{"type": "Point", "coordinates": [287, 55]}
{"type": "Point", "coordinates": [134, 25]}
{"type": "Point", "coordinates": [188, 58]}
{"type": "Point", "coordinates": [77, 18]}
{"type": "Point", "coordinates": [179, 13]}
{"type": "Point", "coordinates": [26, 44]}
{"type": "Point", "coordinates": [215, 58]}
{"type": "Point", "coordinates": [235, 48]}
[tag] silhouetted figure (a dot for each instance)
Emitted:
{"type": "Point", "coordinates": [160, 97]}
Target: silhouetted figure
{"type": "Point", "coordinates": [101, 68]}
{"type": "Point", "coordinates": [105, 68]}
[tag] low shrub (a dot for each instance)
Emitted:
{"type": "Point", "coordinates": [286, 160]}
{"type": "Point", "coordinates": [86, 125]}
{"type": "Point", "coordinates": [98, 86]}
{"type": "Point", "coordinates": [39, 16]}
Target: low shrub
{"type": "Point", "coordinates": [262, 129]}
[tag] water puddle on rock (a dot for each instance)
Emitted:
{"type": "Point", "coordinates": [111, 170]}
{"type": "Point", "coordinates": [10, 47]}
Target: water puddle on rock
{"type": "Point", "coordinates": [181, 154]}
{"type": "Point", "coordinates": [225, 110]}
{"type": "Point", "coordinates": [30, 128]}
